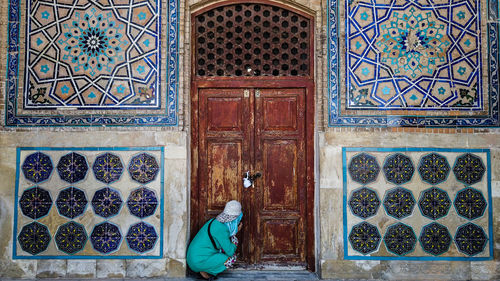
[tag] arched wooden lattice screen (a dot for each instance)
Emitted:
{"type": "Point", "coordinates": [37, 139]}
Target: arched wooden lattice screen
{"type": "Point", "coordinates": [252, 40]}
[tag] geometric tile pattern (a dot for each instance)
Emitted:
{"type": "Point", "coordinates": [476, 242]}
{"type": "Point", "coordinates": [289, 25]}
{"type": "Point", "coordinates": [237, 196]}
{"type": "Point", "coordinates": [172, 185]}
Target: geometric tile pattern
{"type": "Point", "coordinates": [72, 167]}
{"type": "Point", "coordinates": [452, 222]}
{"type": "Point", "coordinates": [398, 168]}
{"type": "Point", "coordinates": [403, 59]}
{"type": "Point", "coordinates": [92, 56]}
{"type": "Point", "coordinates": [37, 167]}
{"type": "Point", "coordinates": [418, 45]}
{"type": "Point", "coordinates": [106, 56]}
{"type": "Point", "coordinates": [400, 239]}
{"type": "Point", "coordinates": [35, 202]}
{"type": "Point", "coordinates": [143, 168]}
{"type": "Point", "coordinates": [142, 202]}
{"type": "Point", "coordinates": [141, 237]}
{"type": "Point", "coordinates": [399, 202]}
{"type": "Point", "coordinates": [434, 203]}
{"type": "Point", "coordinates": [364, 168]}
{"type": "Point", "coordinates": [470, 203]}
{"type": "Point", "coordinates": [469, 169]}
{"type": "Point", "coordinates": [364, 202]}
{"type": "Point", "coordinates": [470, 239]}
{"type": "Point", "coordinates": [34, 238]}
{"type": "Point", "coordinates": [71, 237]}
{"type": "Point", "coordinates": [106, 237]}
{"type": "Point", "coordinates": [364, 238]}
{"type": "Point", "coordinates": [106, 202]}
{"type": "Point", "coordinates": [62, 232]}
{"type": "Point", "coordinates": [433, 168]}
{"type": "Point", "coordinates": [108, 168]}
{"type": "Point", "coordinates": [71, 202]}
{"type": "Point", "coordinates": [435, 238]}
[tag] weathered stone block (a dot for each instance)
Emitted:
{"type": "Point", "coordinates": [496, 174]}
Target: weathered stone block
{"type": "Point", "coordinates": [17, 269]}
{"type": "Point", "coordinates": [342, 269]}
{"type": "Point", "coordinates": [51, 268]}
{"type": "Point", "coordinates": [146, 268]}
{"type": "Point", "coordinates": [176, 221]}
{"type": "Point", "coordinates": [331, 170]}
{"type": "Point", "coordinates": [485, 270]}
{"type": "Point", "coordinates": [428, 270]}
{"type": "Point", "coordinates": [176, 268]}
{"type": "Point", "coordinates": [111, 269]}
{"type": "Point", "coordinates": [175, 152]}
{"type": "Point", "coordinates": [81, 269]}
{"type": "Point", "coordinates": [331, 224]}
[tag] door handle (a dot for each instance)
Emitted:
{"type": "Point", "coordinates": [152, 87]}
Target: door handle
{"type": "Point", "coordinates": [249, 179]}
{"type": "Point", "coordinates": [255, 176]}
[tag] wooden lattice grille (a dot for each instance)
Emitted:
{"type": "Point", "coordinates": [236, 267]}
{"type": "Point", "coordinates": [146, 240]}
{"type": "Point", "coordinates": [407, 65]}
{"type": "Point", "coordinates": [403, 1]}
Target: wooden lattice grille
{"type": "Point", "coordinates": [252, 40]}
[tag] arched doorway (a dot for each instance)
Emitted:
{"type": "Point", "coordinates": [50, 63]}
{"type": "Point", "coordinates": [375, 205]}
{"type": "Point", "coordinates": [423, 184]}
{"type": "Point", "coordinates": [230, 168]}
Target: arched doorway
{"type": "Point", "coordinates": [252, 109]}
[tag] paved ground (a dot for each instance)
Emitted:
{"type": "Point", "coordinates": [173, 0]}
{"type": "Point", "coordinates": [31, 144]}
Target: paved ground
{"type": "Point", "coordinates": [266, 275]}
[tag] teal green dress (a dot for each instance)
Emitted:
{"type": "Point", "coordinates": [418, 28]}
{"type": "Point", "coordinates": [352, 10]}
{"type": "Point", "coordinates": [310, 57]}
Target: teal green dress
{"type": "Point", "coordinates": [201, 255]}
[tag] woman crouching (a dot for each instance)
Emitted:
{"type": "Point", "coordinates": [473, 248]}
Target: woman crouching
{"type": "Point", "coordinates": [213, 249]}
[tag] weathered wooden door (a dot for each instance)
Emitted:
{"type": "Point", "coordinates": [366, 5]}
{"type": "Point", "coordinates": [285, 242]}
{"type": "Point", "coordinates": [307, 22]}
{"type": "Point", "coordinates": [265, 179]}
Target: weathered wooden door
{"type": "Point", "coordinates": [260, 131]}
{"type": "Point", "coordinates": [256, 118]}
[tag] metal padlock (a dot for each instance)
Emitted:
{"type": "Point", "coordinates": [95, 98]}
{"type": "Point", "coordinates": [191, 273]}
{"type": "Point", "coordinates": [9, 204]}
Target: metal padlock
{"type": "Point", "coordinates": [246, 180]}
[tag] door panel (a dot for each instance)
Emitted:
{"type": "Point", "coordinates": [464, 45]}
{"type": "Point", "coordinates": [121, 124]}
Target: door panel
{"type": "Point", "coordinates": [279, 181]}
{"type": "Point", "coordinates": [282, 239]}
{"type": "Point", "coordinates": [279, 113]}
{"type": "Point", "coordinates": [228, 119]}
{"type": "Point", "coordinates": [281, 193]}
{"type": "Point", "coordinates": [224, 169]}
{"type": "Point", "coordinates": [224, 146]}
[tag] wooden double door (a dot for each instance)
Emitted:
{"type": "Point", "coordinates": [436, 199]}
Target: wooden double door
{"type": "Point", "coordinates": [259, 130]}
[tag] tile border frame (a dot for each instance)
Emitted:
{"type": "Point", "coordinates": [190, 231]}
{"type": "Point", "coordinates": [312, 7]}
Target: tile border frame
{"type": "Point", "coordinates": [415, 149]}
{"type": "Point", "coordinates": [15, 256]}
{"type": "Point", "coordinates": [171, 99]}
{"type": "Point", "coordinates": [336, 118]}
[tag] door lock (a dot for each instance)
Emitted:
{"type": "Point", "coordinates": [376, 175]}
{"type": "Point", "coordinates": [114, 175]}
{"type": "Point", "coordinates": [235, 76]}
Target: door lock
{"type": "Point", "coordinates": [249, 179]}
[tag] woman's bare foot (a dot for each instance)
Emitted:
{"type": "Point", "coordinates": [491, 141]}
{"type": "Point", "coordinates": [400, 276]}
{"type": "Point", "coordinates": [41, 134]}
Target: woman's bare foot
{"type": "Point", "coordinates": [205, 275]}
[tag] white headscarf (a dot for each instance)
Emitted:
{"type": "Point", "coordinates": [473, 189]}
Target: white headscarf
{"type": "Point", "coordinates": [231, 216]}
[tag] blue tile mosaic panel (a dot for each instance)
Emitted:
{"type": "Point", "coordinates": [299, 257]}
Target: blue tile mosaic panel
{"type": "Point", "coordinates": [417, 209]}
{"type": "Point", "coordinates": [104, 214]}
{"type": "Point", "coordinates": [102, 58]}
{"type": "Point", "coordinates": [413, 63]}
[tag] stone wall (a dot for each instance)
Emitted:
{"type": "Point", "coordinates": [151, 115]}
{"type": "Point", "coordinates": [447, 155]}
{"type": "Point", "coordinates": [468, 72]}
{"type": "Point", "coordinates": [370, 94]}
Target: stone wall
{"type": "Point", "coordinates": [175, 217]}
{"type": "Point", "coordinates": [333, 264]}
{"type": "Point", "coordinates": [175, 140]}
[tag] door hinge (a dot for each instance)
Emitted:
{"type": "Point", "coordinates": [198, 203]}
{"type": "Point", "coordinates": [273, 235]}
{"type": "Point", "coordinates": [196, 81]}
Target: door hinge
{"type": "Point", "coordinates": [257, 93]}
{"type": "Point", "coordinates": [246, 93]}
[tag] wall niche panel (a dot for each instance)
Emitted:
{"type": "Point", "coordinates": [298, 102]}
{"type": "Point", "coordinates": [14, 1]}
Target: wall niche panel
{"type": "Point", "coordinates": [417, 204]}
{"type": "Point", "coordinates": [92, 63]}
{"type": "Point", "coordinates": [89, 203]}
